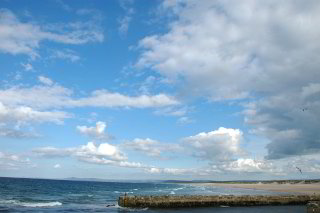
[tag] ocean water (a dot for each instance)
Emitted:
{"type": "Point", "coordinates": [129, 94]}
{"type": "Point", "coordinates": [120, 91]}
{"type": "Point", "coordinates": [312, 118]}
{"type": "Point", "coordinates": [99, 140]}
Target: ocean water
{"type": "Point", "coordinates": [38, 195]}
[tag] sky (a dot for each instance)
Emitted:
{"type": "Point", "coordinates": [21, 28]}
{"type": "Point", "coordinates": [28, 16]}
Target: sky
{"type": "Point", "coordinates": [163, 89]}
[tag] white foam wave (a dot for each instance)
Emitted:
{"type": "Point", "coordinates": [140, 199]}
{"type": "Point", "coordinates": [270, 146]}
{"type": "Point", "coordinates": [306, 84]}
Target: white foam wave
{"type": "Point", "coordinates": [127, 209]}
{"type": "Point", "coordinates": [178, 189]}
{"type": "Point", "coordinates": [172, 193]}
{"type": "Point", "coordinates": [48, 204]}
{"type": "Point", "coordinates": [117, 192]}
{"type": "Point", "coordinates": [30, 204]}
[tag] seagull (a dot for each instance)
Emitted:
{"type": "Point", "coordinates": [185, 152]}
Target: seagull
{"type": "Point", "coordinates": [299, 169]}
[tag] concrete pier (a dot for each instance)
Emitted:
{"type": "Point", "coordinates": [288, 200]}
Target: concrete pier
{"type": "Point", "coordinates": [213, 201]}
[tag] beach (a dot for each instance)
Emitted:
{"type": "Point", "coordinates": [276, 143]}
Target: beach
{"type": "Point", "coordinates": [301, 188]}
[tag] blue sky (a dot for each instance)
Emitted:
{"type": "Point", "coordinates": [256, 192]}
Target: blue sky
{"type": "Point", "coordinates": [137, 89]}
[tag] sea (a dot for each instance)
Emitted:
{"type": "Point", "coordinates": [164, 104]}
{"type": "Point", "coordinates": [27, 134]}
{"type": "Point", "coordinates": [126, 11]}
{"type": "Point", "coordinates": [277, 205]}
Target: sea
{"type": "Point", "coordinates": [42, 195]}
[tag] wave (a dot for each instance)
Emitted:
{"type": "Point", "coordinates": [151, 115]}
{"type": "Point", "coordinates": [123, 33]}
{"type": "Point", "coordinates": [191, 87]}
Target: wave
{"type": "Point", "coordinates": [31, 204]}
{"type": "Point", "coordinates": [178, 189]}
{"type": "Point", "coordinates": [117, 192]}
{"type": "Point", "coordinates": [128, 209]}
{"type": "Point", "coordinates": [172, 193]}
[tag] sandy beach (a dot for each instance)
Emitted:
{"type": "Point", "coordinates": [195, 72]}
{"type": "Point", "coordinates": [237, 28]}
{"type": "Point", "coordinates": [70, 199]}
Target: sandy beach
{"type": "Point", "coordinates": [301, 188]}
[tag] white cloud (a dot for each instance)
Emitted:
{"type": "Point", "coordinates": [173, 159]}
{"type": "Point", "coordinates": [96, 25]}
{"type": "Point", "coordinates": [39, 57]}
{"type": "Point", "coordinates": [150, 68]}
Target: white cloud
{"type": "Point", "coordinates": [152, 147]}
{"type": "Point", "coordinates": [264, 50]}
{"type": "Point", "coordinates": [242, 59]}
{"type": "Point", "coordinates": [103, 98]}
{"type": "Point", "coordinates": [52, 152]}
{"type": "Point", "coordinates": [40, 96]}
{"type": "Point", "coordinates": [124, 24]}
{"type": "Point", "coordinates": [27, 66]}
{"type": "Point", "coordinates": [98, 131]}
{"type": "Point", "coordinates": [22, 115]}
{"type": "Point", "coordinates": [45, 80]}
{"type": "Point", "coordinates": [18, 37]}
{"type": "Point", "coordinates": [64, 6]}
{"type": "Point", "coordinates": [13, 118]}
{"type": "Point", "coordinates": [40, 103]}
{"type": "Point", "coordinates": [222, 144]}
{"type": "Point", "coordinates": [147, 84]}
{"type": "Point", "coordinates": [185, 120]}
{"type": "Point", "coordinates": [57, 166]}
{"type": "Point", "coordinates": [13, 161]}
{"type": "Point", "coordinates": [146, 146]}
{"type": "Point", "coordinates": [125, 20]}
{"type": "Point", "coordinates": [307, 163]}
{"type": "Point", "coordinates": [56, 96]}
{"type": "Point", "coordinates": [170, 171]}
{"type": "Point", "coordinates": [247, 165]}
{"type": "Point", "coordinates": [172, 111]}
{"type": "Point", "coordinates": [66, 54]}
{"type": "Point", "coordinates": [17, 133]}
{"type": "Point", "coordinates": [104, 161]}
{"type": "Point", "coordinates": [104, 154]}
{"type": "Point", "coordinates": [103, 151]}
{"type": "Point", "coordinates": [288, 120]}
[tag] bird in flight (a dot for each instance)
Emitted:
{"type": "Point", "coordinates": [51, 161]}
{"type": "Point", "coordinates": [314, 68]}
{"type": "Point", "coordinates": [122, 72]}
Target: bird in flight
{"type": "Point", "coordinates": [299, 169]}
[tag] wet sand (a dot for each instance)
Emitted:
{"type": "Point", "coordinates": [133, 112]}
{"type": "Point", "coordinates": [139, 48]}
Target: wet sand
{"type": "Point", "coordinates": [313, 188]}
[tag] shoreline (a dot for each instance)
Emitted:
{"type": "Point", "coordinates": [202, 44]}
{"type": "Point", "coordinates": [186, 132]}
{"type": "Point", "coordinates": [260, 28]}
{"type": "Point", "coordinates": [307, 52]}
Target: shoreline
{"type": "Point", "coordinates": [299, 188]}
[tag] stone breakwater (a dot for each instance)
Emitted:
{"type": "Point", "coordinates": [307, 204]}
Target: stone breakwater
{"type": "Point", "coordinates": [213, 201]}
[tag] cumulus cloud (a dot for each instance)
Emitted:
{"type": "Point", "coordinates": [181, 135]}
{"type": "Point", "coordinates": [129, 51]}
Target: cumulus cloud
{"type": "Point", "coordinates": [103, 153]}
{"type": "Point", "coordinates": [209, 54]}
{"type": "Point", "coordinates": [307, 163]}
{"type": "Point", "coordinates": [102, 150]}
{"type": "Point", "coordinates": [247, 165]}
{"type": "Point", "coordinates": [219, 145]}
{"type": "Point", "coordinates": [267, 51]}
{"type": "Point", "coordinates": [30, 35]}
{"type": "Point", "coordinates": [289, 120]}
{"type": "Point", "coordinates": [151, 147]}
{"type": "Point", "coordinates": [97, 132]}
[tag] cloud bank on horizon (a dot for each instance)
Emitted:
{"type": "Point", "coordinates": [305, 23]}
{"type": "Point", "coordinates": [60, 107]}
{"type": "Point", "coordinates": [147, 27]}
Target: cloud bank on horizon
{"type": "Point", "coordinates": [160, 90]}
